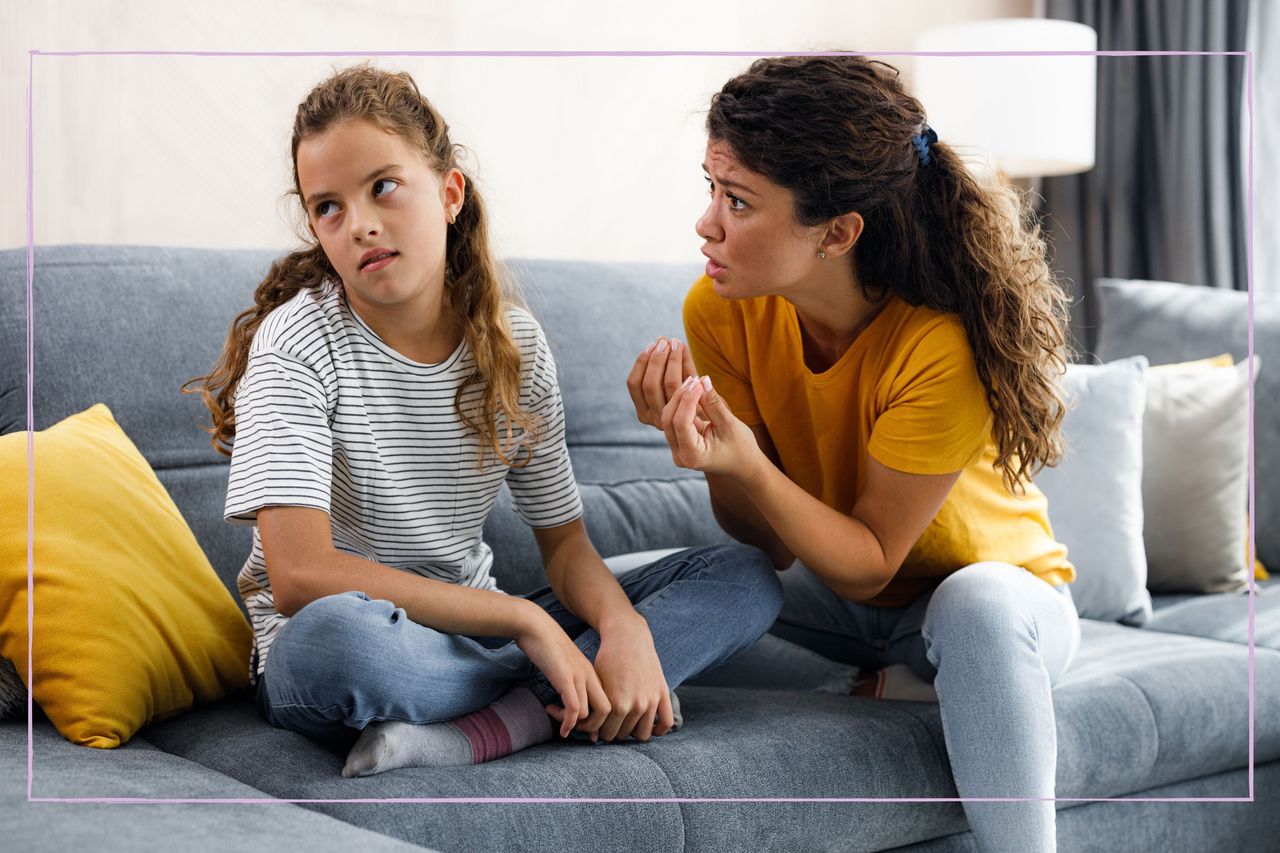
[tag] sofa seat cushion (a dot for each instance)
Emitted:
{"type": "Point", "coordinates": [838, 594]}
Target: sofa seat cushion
{"type": "Point", "coordinates": [138, 769]}
{"type": "Point", "coordinates": [231, 738]}
{"type": "Point", "coordinates": [1223, 616]}
{"type": "Point", "coordinates": [1137, 709]}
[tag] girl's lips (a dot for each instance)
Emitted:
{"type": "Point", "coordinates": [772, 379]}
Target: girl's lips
{"type": "Point", "coordinates": [373, 266]}
{"type": "Point", "coordinates": [713, 269]}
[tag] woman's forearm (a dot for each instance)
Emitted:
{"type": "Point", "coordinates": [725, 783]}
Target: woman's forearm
{"type": "Point", "coordinates": [741, 519]}
{"type": "Point", "coordinates": [839, 548]}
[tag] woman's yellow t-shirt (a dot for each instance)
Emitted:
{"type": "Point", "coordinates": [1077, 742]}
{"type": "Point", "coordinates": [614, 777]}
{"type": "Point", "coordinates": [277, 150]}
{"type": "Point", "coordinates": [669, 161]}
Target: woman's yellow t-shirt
{"type": "Point", "coordinates": [906, 392]}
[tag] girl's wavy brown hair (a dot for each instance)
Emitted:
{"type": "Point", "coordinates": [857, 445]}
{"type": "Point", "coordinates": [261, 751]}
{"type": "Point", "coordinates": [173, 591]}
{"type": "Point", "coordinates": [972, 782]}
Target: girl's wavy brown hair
{"type": "Point", "coordinates": [837, 132]}
{"type": "Point", "coordinates": [476, 287]}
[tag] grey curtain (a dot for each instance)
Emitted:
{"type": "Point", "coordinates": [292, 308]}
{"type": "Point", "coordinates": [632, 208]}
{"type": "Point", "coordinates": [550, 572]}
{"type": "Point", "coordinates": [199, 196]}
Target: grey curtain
{"type": "Point", "coordinates": [1165, 199]}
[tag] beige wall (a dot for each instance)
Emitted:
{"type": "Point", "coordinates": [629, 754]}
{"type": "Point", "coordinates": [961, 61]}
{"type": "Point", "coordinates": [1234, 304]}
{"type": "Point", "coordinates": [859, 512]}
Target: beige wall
{"type": "Point", "coordinates": [579, 157]}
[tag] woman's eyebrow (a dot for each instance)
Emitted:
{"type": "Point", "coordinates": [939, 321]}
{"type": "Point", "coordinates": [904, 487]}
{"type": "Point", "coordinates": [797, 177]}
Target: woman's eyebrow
{"type": "Point", "coordinates": [314, 197]}
{"type": "Point", "coordinates": [731, 184]}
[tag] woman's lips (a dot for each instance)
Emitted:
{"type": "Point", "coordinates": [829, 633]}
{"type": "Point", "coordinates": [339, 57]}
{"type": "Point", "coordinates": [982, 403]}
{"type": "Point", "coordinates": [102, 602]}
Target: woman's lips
{"type": "Point", "coordinates": [374, 266]}
{"type": "Point", "coordinates": [713, 269]}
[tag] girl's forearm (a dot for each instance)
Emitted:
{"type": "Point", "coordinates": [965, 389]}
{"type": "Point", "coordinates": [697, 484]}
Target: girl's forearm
{"type": "Point", "coordinates": [444, 606]}
{"type": "Point", "coordinates": [838, 548]}
{"type": "Point", "coordinates": [584, 584]}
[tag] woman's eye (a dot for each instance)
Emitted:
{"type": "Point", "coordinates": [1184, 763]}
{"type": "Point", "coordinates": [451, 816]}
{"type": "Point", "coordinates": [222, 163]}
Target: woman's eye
{"type": "Point", "coordinates": [735, 203]}
{"type": "Point", "coordinates": [394, 184]}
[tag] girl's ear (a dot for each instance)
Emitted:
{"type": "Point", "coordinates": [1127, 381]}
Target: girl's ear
{"type": "Point", "coordinates": [453, 189]}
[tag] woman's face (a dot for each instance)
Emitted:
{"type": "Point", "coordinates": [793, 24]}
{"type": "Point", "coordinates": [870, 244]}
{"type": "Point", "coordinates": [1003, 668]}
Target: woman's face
{"type": "Point", "coordinates": [368, 189]}
{"type": "Point", "coordinates": [751, 238]}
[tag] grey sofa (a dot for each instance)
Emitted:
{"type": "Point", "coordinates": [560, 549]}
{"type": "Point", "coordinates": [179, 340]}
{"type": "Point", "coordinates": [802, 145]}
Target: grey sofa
{"type": "Point", "coordinates": [1143, 714]}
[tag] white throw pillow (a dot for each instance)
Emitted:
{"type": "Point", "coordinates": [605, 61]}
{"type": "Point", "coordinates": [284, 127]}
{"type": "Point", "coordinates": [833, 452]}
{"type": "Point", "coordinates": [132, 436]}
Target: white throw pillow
{"type": "Point", "coordinates": [1095, 492]}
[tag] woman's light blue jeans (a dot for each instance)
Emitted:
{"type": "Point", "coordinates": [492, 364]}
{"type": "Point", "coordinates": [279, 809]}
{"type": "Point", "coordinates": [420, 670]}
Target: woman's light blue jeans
{"type": "Point", "coordinates": [993, 638]}
{"type": "Point", "coordinates": [345, 661]}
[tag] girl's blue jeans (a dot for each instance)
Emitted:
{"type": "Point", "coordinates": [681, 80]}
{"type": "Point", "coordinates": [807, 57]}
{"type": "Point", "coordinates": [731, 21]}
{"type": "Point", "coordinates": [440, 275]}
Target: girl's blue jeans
{"type": "Point", "coordinates": [345, 661]}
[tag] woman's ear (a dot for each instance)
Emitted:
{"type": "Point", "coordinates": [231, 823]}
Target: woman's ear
{"type": "Point", "coordinates": [453, 189]}
{"type": "Point", "coordinates": [842, 234]}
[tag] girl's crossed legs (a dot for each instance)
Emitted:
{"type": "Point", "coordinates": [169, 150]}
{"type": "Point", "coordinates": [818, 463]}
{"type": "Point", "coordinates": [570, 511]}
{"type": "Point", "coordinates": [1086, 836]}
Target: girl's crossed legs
{"type": "Point", "coordinates": [345, 661]}
{"type": "Point", "coordinates": [993, 639]}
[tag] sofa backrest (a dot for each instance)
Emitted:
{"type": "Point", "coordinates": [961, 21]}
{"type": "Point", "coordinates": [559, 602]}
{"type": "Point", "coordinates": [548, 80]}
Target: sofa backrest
{"type": "Point", "coordinates": [127, 325]}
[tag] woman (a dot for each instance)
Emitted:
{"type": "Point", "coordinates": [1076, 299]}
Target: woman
{"type": "Point", "coordinates": [880, 340]}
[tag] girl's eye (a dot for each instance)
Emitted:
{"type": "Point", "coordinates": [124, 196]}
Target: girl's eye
{"type": "Point", "coordinates": [384, 181]}
{"type": "Point", "coordinates": [320, 208]}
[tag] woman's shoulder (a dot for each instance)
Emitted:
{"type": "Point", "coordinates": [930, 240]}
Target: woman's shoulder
{"type": "Point", "coordinates": [293, 325]}
{"type": "Point", "coordinates": [919, 326]}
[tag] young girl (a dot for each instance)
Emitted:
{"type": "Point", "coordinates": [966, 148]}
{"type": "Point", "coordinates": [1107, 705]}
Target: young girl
{"type": "Point", "coordinates": [880, 341]}
{"type": "Point", "coordinates": [379, 393]}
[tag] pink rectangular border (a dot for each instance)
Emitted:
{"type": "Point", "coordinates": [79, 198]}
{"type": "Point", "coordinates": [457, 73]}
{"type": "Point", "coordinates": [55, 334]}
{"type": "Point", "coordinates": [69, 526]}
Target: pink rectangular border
{"type": "Point", "coordinates": [1248, 55]}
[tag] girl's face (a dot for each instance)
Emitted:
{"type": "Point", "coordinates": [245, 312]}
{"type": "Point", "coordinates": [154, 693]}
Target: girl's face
{"type": "Point", "coordinates": [752, 241]}
{"type": "Point", "coordinates": [368, 192]}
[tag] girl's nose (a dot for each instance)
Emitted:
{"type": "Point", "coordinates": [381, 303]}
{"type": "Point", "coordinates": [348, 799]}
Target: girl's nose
{"type": "Point", "coordinates": [364, 222]}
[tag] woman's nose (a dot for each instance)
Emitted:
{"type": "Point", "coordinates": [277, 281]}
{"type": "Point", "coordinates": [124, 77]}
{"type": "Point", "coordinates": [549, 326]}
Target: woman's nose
{"type": "Point", "coordinates": [707, 226]}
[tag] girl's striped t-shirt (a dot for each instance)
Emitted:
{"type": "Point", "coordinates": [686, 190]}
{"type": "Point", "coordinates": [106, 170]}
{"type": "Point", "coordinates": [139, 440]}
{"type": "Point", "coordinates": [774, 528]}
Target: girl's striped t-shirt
{"type": "Point", "coordinates": [329, 416]}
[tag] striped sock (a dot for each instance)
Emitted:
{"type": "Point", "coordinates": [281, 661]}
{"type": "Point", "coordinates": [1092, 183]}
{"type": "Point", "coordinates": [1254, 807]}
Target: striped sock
{"type": "Point", "coordinates": [899, 681]}
{"type": "Point", "coordinates": [512, 723]}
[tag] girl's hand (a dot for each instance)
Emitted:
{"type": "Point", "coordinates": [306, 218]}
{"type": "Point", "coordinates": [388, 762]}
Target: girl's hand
{"type": "Point", "coordinates": [570, 673]}
{"type": "Point", "coordinates": [631, 674]}
{"type": "Point", "coordinates": [717, 442]}
{"type": "Point", "coordinates": [656, 375]}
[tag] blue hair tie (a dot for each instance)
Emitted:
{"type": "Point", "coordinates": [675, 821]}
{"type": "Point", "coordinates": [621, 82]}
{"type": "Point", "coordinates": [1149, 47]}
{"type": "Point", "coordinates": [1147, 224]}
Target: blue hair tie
{"type": "Point", "coordinates": [922, 141]}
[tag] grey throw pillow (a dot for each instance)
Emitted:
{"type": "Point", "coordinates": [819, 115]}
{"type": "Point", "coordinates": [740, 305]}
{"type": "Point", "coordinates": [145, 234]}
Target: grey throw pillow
{"type": "Point", "coordinates": [1095, 492]}
{"type": "Point", "coordinates": [1195, 478]}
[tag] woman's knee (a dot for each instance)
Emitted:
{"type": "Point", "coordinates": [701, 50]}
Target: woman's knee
{"type": "Point", "coordinates": [984, 600]}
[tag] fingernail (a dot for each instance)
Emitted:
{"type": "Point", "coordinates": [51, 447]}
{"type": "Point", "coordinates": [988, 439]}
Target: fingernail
{"type": "Point", "coordinates": [675, 345]}
{"type": "Point", "coordinates": [648, 349]}
{"type": "Point", "coordinates": [662, 347]}
{"type": "Point", "coordinates": [688, 382]}
{"type": "Point", "coordinates": [706, 383]}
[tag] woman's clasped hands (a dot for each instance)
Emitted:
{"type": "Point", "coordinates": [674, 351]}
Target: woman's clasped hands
{"type": "Point", "coordinates": [701, 430]}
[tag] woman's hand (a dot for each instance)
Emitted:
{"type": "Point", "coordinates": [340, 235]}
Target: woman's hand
{"type": "Point", "coordinates": [656, 375]}
{"type": "Point", "coordinates": [571, 675]}
{"type": "Point", "coordinates": [715, 443]}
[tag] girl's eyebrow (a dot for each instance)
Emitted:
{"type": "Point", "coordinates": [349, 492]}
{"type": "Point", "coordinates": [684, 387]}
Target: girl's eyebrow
{"type": "Point", "coordinates": [731, 184]}
{"type": "Point", "coordinates": [314, 197]}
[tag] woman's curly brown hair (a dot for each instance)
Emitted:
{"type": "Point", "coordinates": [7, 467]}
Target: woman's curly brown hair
{"type": "Point", "coordinates": [475, 287]}
{"type": "Point", "coordinates": [837, 132]}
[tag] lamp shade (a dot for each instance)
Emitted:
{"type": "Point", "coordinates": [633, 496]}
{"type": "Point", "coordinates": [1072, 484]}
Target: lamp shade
{"type": "Point", "coordinates": [1026, 116]}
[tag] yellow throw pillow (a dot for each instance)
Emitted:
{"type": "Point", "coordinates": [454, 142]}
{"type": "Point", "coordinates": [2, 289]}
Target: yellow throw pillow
{"type": "Point", "coordinates": [132, 624]}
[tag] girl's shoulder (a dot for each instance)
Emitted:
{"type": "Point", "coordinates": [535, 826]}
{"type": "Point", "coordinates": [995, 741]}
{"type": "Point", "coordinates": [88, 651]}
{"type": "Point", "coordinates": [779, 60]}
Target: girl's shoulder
{"type": "Point", "coordinates": [293, 325]}
{"type": "Point", "coordinates": [526, 331]}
